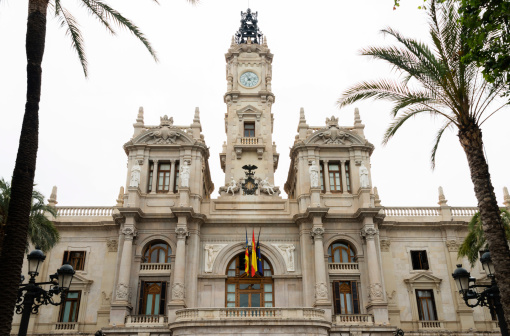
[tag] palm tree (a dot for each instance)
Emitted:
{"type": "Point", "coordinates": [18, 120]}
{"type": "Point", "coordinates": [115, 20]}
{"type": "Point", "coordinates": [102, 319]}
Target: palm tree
{"type": "Point", "coordinates": [437, 83]}
{"type": "Point", "coordinates": [41, 231]}
{"type": "Point", "coordinates": [17, 222]}
{"type": "Point", "coordinates": [475, 240]}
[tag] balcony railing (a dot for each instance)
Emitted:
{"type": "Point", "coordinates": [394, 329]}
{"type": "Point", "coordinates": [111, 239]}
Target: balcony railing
{"type": "Point", "coordinates": [146, 321]}
{"type": "Point", "coordinates": [354, 319]}
{"type": "Point", "coordinates": [464, 211]}
{"type": "Point", "coordinates": [84, 211]}
{"type": "Point", "coordinates": [249, 141]}
{"type": "Point", "coordinates": [249, 313]}
{"type": "Point", "coordinates": [431, 325]}
{"type": "Point", "coordinates": [343, 268]}
{"type": "Point", "coordinates": [411, 211]}
{"type": "Point", "coordinates": [66, 326]}
{"type": "Point", "coordinates": [155, 268]}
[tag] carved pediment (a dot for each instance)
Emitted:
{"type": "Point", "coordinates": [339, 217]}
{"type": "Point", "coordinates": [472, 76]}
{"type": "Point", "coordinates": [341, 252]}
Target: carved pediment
{"type": "Point", "coordinates": [249, 112]}
{"type": "Point", "coordinates": [334, 135]}
{"type": "Point", "coordinates": [163, 135]}
{"type": "Point", "coordinates": [423, 280]}
{"type": "Point", "coordinates": [80, 282]}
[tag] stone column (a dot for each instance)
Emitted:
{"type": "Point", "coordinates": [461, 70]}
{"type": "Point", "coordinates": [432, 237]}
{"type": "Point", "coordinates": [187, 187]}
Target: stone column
{"type": "Point", "coordinates": [122, 306]}
{"type": "Point", "coordinates": [344, 177]}
{"type": "Point", "coordinates": [172, 177]}
{"type": "Point", "coordinates": [325, 171]}
{"type": "Point", "coordinates": [192, 258]}
{"type": "Point", "coordinates": [321, 285]}
{"type": "Point", "coordinates": [306, 264]}
{"type": "Point", "coordinates": [154, 185]}
{"type": "Point", "coordinates": [180, 265]}
{"type": "Point", "coordinates": [377, 305]}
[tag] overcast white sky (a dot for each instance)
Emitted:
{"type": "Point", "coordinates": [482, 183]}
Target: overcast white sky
{"type": "Point", "coordinates": [85, 122]}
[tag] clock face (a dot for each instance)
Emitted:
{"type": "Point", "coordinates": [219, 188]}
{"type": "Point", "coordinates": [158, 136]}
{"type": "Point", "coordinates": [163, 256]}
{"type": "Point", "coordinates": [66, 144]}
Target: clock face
{"type": "Point", "coordinates": [249, 79]}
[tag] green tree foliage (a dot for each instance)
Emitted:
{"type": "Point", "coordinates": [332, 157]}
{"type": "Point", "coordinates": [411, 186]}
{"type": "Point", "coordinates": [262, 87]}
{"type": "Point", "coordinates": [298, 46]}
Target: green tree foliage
{"type": "Point", "coordinates": [435, 81]}
{"type": "Point", "coordinates": [475, 240]}
{"type": "Point", "coordinates": [41, 231]}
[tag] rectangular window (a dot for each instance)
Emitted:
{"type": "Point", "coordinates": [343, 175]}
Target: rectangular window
{"type": "Point", "coordinates": [346, 297]}
{"type": "Point", "coordinates": [163, 177]}
{"type": "Point", "coordinates": [419, 260]}
{"type": "Point", "coordinates": [249, 129]}
{"type": "Point", "coordinates": [176, 174]}
{"type": "Point", "coordinates": [70, 306]}
{"type": "Point", "coordinates": [75, 259]}
{"type": "Point", "coordinates": [151, 175]}
{"type": "Point", "coordinates": [321, 165]}
{"type": "Point", "coordinates": [348, 176]}
{"type": "Point", "coordinates": [426, 305]}
{"type": "Point", "coordinates": [335, 184]}
{"type": "Point", "coordinates": [152, 298]}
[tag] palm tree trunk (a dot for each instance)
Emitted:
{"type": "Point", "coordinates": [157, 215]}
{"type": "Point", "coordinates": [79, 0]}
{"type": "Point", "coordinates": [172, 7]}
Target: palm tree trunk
{"type": "Point", "coordinates": [16, 228]}
{"type": "Point", "coordinates": [470, 137]}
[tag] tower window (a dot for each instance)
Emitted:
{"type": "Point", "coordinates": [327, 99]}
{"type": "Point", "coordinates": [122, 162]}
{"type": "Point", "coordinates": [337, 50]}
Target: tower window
{"type": "Point", "coordinates": [334, 177]}
{"type": "Point", "coordinates": [151, 176]}
{"type": "Point", "coordinates": [176, 184]}
{"type": "Point", "coordinates": [348, 176]}
{"type": "Point", "coordinates": [249, 129]}
{"type": "Point", "coordinates": [419, 260]}
{"type": "Point", "coordinates": [163, 177]}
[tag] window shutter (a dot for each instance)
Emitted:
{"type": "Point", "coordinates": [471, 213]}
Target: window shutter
{"type": "Point", "coordinates": [336, 295]}
{"type": "Point", "coordinates": [424, 260]}
{"type": "Point", "coordinates": [415, 258]}
{"type": "Point", "coordinates": [66, 257]}
{"type": "Point", "coordinates": [355, 297]}
{"type": "Point", "coordinates": [140, 297]}
{"type": "Point", "coordinates": [163, 298]}
{"type": "Point", "coordinates": [82, 266]}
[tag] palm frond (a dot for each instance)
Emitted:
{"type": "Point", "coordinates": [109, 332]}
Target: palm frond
{"type": "Point", "coordinates": [97, 12]}
{"type": "Point", "coordinates": [398, 122]}
{"type": "Point", "coordinates": [69, 22]}
{"type": "Point", "coordinates": [439, 135]}
{"type": "Point", "coordinates": [121, 21]}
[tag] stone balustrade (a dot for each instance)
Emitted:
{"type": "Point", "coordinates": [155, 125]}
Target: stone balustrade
{"type": "Point", "coordinates": [79, 211]}
{"type": "Point", "coordinates": [249, 141]}
{"type": "Point", "coordinates": [249, 313]}
{"type": "Point", "coordinates": [411, 211]}
{"type": "Point", "coordinates": [354, 319]}
{"type": "Point", "coordinates": [431, 325]}
{"type": "Point", "coordinates": [343, 268]}
{"type": "Point", "coordinates": [146, 321]}
{"type": "Point", "coordinates": [155, 268]}
{"type": "Point", "coordinates": [66, 326]}
{"type": "Point", "coordinates": [464, 211]}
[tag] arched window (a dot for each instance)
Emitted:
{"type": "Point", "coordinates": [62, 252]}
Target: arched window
{"type": "Point", "coordinates": [157, 252]}
{"type": "Point", "coordinates": [341, 252]}
{"type": "Point", "coordinates": [242, 290]}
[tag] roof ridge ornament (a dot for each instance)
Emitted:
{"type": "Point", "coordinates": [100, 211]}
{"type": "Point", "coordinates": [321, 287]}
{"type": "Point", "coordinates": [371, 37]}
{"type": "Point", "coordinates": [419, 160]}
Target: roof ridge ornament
{"type": "Point", "coordinates": [249, 32]}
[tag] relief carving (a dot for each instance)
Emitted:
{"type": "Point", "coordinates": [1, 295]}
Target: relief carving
{"type": "Point", "coordinates": [453, 245]}
{"type": "Point", "coordinates": [321, 291]}
{"type": "Point", "coordinates": [181, 232]}
{"type": "Point", "coordinates": [105, 299]}
{"type": "Point", "coordinates": [392, 298]}
{"type": "Point", "coordinates": [129, 233]}
{"type": "Point", "coordinates": [113, 245]}
{"type": "Point", "coordinates": [317, 232]}
{"type": "Point", "coordinates": [122, 292]}
{"type": "Point", "coordinates": [375, 292]}
{"type": "Point", "coordinates": [385, 245]}
{"type": "Point", "coordinates": [166, 133]}
{"type": "Point", "coordinates": [369, 233]}
{"type": "Point", "coordinates": [287, 252]}
{"type": "Point", "coordinates": [333, 134]}
{"type": "Point", "coordinates": [211, 252]}
{"type": "Point", "coordinates": [178, 291]}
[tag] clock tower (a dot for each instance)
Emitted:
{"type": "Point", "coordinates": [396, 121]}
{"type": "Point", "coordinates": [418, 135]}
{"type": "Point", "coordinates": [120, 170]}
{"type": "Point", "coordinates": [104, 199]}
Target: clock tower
{"type": "Point", "coordinates": [249, 121]}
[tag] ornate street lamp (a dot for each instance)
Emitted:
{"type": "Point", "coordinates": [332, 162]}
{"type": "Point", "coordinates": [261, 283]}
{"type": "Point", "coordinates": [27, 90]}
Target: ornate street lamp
{"type": "Point", "coordinates": [489, 297]}
{"type": "Point", "coordinates": [31, 296]}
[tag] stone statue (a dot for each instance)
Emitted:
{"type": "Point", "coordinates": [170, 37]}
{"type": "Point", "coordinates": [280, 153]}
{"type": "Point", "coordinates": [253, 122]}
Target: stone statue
{"type": "Point", "coordinates": [232, 186]}
{"type": "Point", "coordinates": [266, 187]}
{"type": "Point", "coordinates": [314, 174]}
{"type": "Point", "coordinates": [135, 175]}
{"type": "Point", "coordinates": [363, 176]}
{"type": "Point", "coordinates": [211, 252]}
{"type": "Point", "coordinates": [184, 174]}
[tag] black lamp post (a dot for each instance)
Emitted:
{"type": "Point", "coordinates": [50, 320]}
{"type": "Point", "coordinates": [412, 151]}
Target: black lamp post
{"type": "Point", "coordinates": [489, 297]}
{"type": "Point", "coordinates": [31, 296]}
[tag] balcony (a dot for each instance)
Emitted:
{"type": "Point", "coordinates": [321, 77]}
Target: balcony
{"type": "Point", "coordinates": [146, 321]}
{"type": "Point", "coordinates": [242, 314]}
{"type": "Point", "coordinates": [66, 327]}
{"type": "Point", "coordinates": [343, 268]}
{"type": "Point", "coordinates": [354, 320]}
{"type": "Point", "coordinates": [249, 144]}
{"type": "Point", "coordinates": [155, 268]}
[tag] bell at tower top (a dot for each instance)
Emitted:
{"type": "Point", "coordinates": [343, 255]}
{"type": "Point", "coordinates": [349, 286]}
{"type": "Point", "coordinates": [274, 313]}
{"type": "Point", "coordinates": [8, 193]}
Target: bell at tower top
{"type": "Point", "coordinates": [249, 29]}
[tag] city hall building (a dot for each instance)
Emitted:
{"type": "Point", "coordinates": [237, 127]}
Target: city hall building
{"type": "Point", "coordinates": [170, 257]}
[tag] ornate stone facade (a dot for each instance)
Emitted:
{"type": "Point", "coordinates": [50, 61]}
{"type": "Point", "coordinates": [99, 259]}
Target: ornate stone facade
{"type": "Point", "coordinates": [174, 258]}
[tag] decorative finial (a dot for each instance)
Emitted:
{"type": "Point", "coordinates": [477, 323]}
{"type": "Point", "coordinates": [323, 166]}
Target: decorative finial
{"type": "Point", "coordinates": [139, 118]}
{"type": "Point", "coordinates": [357, 118]}
{"type": "Point", "coordinates": [506, 198]}
{"type": "Point", "coordinates": [232, 43]}
{"type": "Point", "coordinates": [165, 121]}
{"type": "Point", "coordinates": [120, 197]}
{"type": "Point", "coordinates": [377, 200]}
{"type": "Point", "coordinates": [52, 201]}
{"type": "Point", "coordinates": [196, 118]}
{"type": "Point", "coordinates": [302, 116]}
{"type": "Point", "coordinates": [249, 31]}
{"type": "Point", "coordinates": [442, 198]}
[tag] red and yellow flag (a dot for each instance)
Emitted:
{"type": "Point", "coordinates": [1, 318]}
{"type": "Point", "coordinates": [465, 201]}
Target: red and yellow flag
{"type": "Point", "coordinates": [247, 257]}
{"type": "Point", "coordinates": [253, 256]}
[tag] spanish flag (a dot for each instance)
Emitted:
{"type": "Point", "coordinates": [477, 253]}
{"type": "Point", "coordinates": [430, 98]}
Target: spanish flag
{"type": "Point", "coordinates": [253, 256]}
{"type": "Point", "coordinates": [247, 257]}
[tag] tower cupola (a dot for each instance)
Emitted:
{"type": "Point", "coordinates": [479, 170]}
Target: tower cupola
{"type": "Point", "coordinates": [249, 31]}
